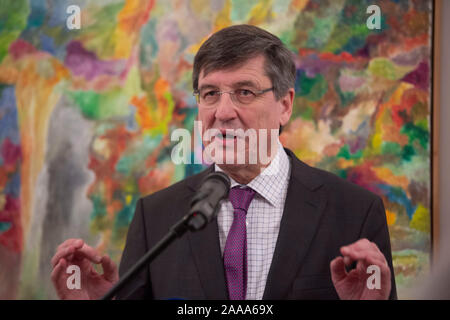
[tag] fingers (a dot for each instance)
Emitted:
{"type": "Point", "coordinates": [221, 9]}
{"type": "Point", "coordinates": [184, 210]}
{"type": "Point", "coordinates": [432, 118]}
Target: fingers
{"type": "Point", "coordinates": [59, 278]}
{"type": "Point", "coordinates": [109, 269]}
{"type": "Point", "coordinates": [88, 252]}
{"type": "Point", "coordinates": [363, 250]}
{"type": "Point", "coordinates": [71, 242]}
{"type": "Point", "coordinates": [58, 270]}
{"type": "Point", "coordinates": [65, 249]}
{"type": "Point", "coordinates": [62, 253]}
{"type": "Point", "coordinates": [75, 249]}
{"type": "Point", "coordinates": [337, 267]}
{"type": "Point", "coordinates": [367, 257]}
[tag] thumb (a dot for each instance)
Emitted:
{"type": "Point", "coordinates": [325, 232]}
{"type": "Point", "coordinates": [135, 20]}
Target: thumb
{"type": "Point", "coordinates": [337, 267]}
{"type": "Point", "coordinates": [59, 278]}
{"type": "Point", "coordinates": [109, 269]}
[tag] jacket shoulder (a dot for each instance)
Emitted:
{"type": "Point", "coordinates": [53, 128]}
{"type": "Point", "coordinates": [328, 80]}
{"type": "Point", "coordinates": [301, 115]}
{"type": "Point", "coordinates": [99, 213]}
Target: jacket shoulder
{"type": "Point", "coordinates": [178, 189]}
{"type": "Point", "coordinates": [335, 186]}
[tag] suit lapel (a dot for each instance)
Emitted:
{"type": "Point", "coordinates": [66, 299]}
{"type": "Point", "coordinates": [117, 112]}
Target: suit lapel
{"type": "Point", "coordinates": [303, 209]}
{"type": "Point", "coordinates": [205, 246]}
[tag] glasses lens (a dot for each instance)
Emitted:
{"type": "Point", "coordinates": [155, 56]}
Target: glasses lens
{"type": "Point", "coordinates": [245, 96]}
{"type": "Point", "coordinates": [209, 97]}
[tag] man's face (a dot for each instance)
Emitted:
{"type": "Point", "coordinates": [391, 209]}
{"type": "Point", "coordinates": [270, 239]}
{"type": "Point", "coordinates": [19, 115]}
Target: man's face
{"type": "Point", "coordinates": [264, 112]}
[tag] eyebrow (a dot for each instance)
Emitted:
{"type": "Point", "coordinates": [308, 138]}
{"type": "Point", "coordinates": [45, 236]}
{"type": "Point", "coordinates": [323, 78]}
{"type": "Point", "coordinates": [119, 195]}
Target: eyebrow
{"type": "Point", "coordinates": [244, 83]}
{"type": "Point", "coordinates": [207, 86]}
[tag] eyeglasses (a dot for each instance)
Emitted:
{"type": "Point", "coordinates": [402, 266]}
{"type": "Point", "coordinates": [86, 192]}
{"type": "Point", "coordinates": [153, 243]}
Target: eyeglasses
{"type": "Point", "coordinates": [208, 98]}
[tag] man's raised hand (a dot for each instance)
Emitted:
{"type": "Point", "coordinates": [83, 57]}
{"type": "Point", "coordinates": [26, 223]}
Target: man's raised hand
{"type": "Point", "coordinates": [353, 285]}
{"type": "Point", "coordinates": [93, 285]}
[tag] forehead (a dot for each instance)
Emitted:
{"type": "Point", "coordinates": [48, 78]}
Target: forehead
{"type": "Point", "coordinates": [251, 70]}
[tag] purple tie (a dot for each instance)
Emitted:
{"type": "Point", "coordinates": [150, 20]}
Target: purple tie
{"type": "Point", "coordinates": [235, 253]}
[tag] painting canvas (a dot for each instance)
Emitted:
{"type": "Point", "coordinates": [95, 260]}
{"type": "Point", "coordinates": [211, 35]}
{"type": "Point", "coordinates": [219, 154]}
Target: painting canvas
{"type": "Point", "coordinates": [86, 115]}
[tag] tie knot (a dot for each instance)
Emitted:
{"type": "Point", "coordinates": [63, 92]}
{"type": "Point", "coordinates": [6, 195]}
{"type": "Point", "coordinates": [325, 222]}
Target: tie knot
{"type": "Point", "coordinates": [240, 198]}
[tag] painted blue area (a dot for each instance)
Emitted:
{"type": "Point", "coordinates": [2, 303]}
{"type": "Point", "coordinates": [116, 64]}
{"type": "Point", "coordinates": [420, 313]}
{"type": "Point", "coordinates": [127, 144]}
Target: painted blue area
{"type": "Point", "coordinates": [398, 195]}
{"type": "Point", "coordinates": [353, 45]}
{"type": "Point", "coordinates": [124, 216]}
{"type": "Point", "coordinates": [4, 226]}
{"type": "Point", "coordinates": [48, 44]}
{"type": "Point", "coordinates": [12, 187]}
{"type": "Point", "coordinates": [8, 115]}
{"type": "Point", "coordinates": [57, 14]}
{"type": "Point", "coordinates": [132, 125]}
{"type": "Point", "coordinates": [46, 27]}
{"type": "Point", "coordinates": [149, 43]}
{"type": "Point", "coordinates": [38, 12]}
{"type": "Point", "coordinates": [192, 168]}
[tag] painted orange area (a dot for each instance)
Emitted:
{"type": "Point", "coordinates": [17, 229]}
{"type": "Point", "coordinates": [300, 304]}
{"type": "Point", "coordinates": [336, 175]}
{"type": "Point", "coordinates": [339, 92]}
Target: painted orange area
{"type": "Point", "coordinates": [391, 217]}
{"type": "Point", "coordinates": [387, 176]}
{"type": "Point", "coordinates": [151, 117]}
{"type": "Point", "coordinates": [131, 18]}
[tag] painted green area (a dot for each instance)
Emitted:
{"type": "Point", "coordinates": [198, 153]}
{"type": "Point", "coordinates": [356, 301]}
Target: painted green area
{"type": "Point", "coordinates": [101, 32]}
{"type": "Point", "coordinates": [101, 106]}
{"type": "Point", "coordinates": [342, 173]}
{"type": "Point", "coordinates": [135, 157]}
{"type": "Point", "coordinates": [345, 97]}
{"type": "Point", "coordinates": [307, 113]}
{"type": "Point", "coordinates": [421, 219]}
{"type": "Point", "coordinates": [408, 152]}
{"type": "Point", "coordinates": [391, 148]}
{"type": "Point", "coordinates": [320, 33]}
{"type": "Point", "coordinates": [312, 88]}
{"type": "Point", "coordinates": [240, 9]}
{"type": "Point", "coordinates": [99, 219]}
{"type": "Point", "coordinates": [416, 132]}
{"type": "Point", "coordinates": [344, 152]}
{"type": "Point", "coordinates": [13, 19]}
{"type": "Point", "coordinates": [384, 68]}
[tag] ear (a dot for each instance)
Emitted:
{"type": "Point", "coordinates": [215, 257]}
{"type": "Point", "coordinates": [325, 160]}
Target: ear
{"type": "Point", "coordinates": [287, 103]}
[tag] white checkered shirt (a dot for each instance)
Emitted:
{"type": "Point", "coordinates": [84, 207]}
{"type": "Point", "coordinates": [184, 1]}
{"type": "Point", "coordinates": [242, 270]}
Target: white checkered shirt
{"type": "Point", "coordinates": [263, 220]}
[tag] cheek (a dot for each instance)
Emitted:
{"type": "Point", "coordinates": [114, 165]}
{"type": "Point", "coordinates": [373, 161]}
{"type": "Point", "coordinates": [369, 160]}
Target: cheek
{"type": "Point", "coordinates": [206, 118]}
{"type": "Point", "coordinates": [274, 117]}
{"type": "Point", "coordinates": [263, 119]}
{"type": "Point", "coordinates": [206, 121]}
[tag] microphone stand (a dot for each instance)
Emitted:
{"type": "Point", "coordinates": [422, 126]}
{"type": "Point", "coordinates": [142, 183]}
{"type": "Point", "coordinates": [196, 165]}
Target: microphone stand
{"type": "Point", "coordinates": [193, 221]}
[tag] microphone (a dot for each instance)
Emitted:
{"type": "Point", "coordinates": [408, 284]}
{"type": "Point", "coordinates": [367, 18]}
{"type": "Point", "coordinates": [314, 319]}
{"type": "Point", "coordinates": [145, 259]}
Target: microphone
{"type": "Point", "coordinates": [205, 203]}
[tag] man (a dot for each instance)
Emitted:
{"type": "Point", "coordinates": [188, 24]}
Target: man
{"type": "Point", "coordinates": [288, 231]}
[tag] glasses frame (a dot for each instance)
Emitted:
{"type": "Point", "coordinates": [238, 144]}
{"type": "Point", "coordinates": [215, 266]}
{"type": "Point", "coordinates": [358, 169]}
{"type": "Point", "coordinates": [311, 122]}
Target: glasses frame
{"type": "Point", "coordinates": [232, 93]}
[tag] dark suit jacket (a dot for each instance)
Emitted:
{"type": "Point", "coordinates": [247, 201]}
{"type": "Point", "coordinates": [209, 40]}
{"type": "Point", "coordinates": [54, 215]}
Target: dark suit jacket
{"type": "Point", "coordinates": [322, 213]}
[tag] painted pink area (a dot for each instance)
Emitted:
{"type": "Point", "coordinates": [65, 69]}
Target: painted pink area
{"type": "Point", "coordinates": [420, 77]}
{"type": "Point", "coordinates": [363, 176]}
{"type": "Point", "coordinates": [20, 47]}
{"type": "Point", "coordinates": [350, 83]}
{"type": "Point", "coordinates": [312, 65]}
{"type": "Point", "coordinates": [84, 63]}
{"type": "Point", "coordinates": [357, 143]}
{"type": "Point", "coordinates": [10, 153]}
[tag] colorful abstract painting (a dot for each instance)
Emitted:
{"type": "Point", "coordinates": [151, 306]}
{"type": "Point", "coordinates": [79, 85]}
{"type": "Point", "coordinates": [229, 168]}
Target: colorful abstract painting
{"type": "Point", "coordinates": [86, 115]}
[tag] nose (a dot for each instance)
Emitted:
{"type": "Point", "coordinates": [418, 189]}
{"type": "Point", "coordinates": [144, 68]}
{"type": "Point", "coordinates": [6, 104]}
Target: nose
{"type": "Point", "coordinates": [225, 110]}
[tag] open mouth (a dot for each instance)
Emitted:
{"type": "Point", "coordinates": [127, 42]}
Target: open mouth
{"type": "Point", "coordinates": [227, 136]}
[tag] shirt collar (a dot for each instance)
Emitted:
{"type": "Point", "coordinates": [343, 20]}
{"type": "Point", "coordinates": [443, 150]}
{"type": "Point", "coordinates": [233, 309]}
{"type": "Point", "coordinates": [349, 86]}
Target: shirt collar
{"type": "Point", "coordinates": [269, 182]}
